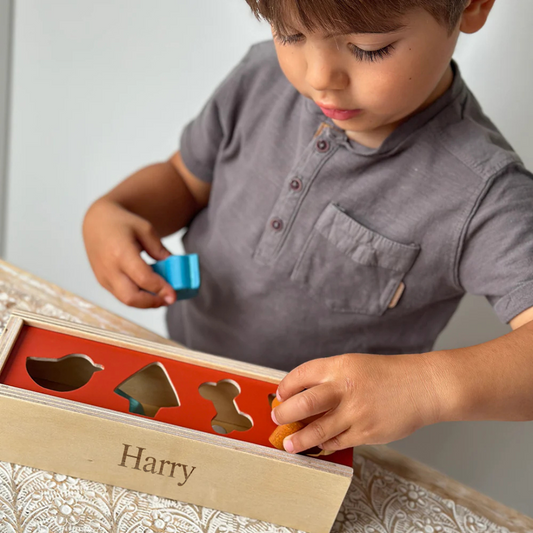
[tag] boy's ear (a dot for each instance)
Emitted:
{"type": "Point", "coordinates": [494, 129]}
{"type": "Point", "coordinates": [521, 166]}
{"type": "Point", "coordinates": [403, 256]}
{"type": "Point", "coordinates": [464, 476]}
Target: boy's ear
{"type": "Point", "coordinates": [475, 15]}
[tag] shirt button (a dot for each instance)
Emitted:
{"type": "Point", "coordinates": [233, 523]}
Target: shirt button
{"type": "Point", "coordinates": [322, 145]}
{"type": "Point", "coordinates": [277, 224]}
{"type": "Point", "coordinates": [296, 184]}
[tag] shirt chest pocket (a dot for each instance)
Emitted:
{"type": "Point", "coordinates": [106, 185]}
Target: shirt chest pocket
{"type": "Point", "coordinates": [351, 268]}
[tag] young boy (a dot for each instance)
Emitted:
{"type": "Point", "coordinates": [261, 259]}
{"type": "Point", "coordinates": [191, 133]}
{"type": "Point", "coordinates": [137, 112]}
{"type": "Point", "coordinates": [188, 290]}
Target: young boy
{"type": "Point", "coordinates": [343, 190]}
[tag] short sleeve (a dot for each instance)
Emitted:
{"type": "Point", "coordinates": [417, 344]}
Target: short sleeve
{"type": "Point", "coordinates": [497, 253]}
{"type": "Point", "coordinates": [202, 138]}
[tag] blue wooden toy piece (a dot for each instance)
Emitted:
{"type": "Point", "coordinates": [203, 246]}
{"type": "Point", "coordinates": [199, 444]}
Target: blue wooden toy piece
{"type": "Point", "coordinates": [182, 272]}
{"type": "Point", "coordinates": [135, 406]}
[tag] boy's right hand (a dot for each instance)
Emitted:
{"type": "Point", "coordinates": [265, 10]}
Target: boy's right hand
{"type": "Point", "coordinates": [114, 239]}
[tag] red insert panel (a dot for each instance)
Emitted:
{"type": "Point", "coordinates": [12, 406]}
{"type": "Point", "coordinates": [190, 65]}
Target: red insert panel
{"type": "Point", "coordinates": [194, 411]}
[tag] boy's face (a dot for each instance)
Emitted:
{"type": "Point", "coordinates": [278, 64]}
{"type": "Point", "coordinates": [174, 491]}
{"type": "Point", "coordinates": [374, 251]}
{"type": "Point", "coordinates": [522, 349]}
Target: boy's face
{"type": "Point", "coordinates": [369, 83]}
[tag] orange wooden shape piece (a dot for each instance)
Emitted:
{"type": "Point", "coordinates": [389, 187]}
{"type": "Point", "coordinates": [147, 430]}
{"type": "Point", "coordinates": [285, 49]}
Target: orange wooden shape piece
{"type": "Point", "coordinates": [276, 439]}
{"type": "Point", "coordinates": [279, 434]}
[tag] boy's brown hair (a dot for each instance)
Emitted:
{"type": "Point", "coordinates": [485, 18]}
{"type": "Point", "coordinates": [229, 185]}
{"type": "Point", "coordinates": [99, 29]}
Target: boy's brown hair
{"type": "Point", "coordinates": [352, 16]}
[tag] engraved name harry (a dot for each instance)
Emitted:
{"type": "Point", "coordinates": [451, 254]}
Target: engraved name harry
{"type": "Point", "coordinates": [150, 465]}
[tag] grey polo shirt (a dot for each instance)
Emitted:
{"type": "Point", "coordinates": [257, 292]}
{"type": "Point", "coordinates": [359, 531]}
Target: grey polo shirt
{"type": "Point", "coordinates": [309, 237]}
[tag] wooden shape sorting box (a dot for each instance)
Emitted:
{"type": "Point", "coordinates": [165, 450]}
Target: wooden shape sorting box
{"type": "Point", "coordinates": [106, 407]}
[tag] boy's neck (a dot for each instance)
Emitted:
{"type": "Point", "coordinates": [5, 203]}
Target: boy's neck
{"type": "Point", "coordinates": [375, 138]}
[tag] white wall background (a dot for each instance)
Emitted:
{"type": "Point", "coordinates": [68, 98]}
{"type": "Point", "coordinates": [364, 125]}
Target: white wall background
{"type": "Point", "coordinates": [103, 88]}
{"type": "Point", "coordinates": [5, 63]}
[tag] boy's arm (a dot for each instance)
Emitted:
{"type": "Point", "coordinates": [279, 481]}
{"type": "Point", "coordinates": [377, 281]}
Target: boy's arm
{"type": "Point", "coordinates": [494, 380]}
{"type": "Point", "coordinates": [375, 399]}
{"type": "Point", "coordinates": [490, 381]}
{"type": "Point", "coordinates": [166, 194]}
{"type": "Point", "coordinates": [154, 202]}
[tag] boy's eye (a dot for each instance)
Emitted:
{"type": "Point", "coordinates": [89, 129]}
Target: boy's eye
{"type": "Point", "coordinates": [362, 55]}
{"type": "Point", "coordinates": [288, 39]}
{"type": "Point", "coordinates": [371, 55]}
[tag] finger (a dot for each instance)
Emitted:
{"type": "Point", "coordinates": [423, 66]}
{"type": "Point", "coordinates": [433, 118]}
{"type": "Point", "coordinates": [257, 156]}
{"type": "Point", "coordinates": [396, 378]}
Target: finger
{"type": "Point", "coordinates": [151, 243]}
{"type": "Point", "coordinates": [103, 280]}
{"type": "Point", "coordinates": [305, 376]}
{"type": "Point", "coordinates": [343, 440]}
{"type": "Point", "coordinates": [145, 278]}
{"type": "Point", "coordinates": [323, 429]}
{"type": "Point", "coordinates": [306, 404]}
{"type": "Point", "coordinates": [130, 294]}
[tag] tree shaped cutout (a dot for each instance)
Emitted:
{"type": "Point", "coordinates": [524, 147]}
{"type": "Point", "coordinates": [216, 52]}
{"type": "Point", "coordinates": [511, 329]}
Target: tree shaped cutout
{"type": "Point", "coordinates": [228, 417]}
{"type": "Point", "coordinates": [65, 374]}
{"type": "Point", "coordinates": [148, 390]}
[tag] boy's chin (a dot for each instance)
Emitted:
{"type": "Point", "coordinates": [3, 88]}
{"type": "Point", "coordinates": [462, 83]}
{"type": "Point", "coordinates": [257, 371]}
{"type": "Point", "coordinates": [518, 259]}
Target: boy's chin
{"type": "Point", "coordinates": [357, 126]}
{"type": "Point", "coordinates": [353, 124]}
{"type": "Point", "coordinates": [370, 135]}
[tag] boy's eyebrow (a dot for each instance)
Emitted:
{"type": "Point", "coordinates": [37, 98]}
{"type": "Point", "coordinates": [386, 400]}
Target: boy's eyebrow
{"type": "Point", "coordinates": [390, 29]}
{"type": "Point", "coordinates": [356, 30]}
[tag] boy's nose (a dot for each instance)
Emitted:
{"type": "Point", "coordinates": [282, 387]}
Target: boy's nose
{"type": "Point", "coordinates": [324, 74]}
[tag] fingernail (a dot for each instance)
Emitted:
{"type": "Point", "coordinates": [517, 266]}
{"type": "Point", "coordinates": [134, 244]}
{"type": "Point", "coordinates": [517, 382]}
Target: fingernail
{"type": "Point", "coordinates": [278, 396]}
{"type": "Point", "coordinates": [169, 299]}
{"type": "Point", "coordinates": [288, 445]}
{"type": "Point", "coordinates": [274, 418]}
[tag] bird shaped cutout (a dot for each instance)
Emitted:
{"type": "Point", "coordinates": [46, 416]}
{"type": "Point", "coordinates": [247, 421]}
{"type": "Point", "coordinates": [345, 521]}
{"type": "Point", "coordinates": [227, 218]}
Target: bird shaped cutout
{"type": "Point", "coordinates": [228, 417]}
{"type": "Point", "coordinates": [65, 374]}
{"type": "Point", "coordinates": [148, 390]}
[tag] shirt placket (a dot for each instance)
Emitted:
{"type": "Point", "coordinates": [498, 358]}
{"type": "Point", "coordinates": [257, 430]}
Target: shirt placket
{"type": "Point", "coordinates": [295, 188]}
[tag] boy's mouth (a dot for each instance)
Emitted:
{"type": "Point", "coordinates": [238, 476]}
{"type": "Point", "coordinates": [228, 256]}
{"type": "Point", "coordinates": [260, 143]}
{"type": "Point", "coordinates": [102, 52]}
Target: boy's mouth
{"type": "Point", "coordinates": [338, 114]}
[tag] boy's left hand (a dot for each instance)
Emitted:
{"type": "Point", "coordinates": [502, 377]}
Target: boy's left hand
{"type": "Point", "coordinates": [360, 399]}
